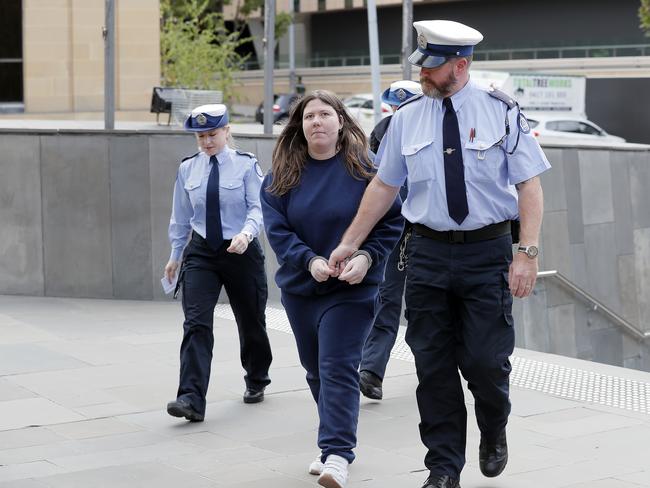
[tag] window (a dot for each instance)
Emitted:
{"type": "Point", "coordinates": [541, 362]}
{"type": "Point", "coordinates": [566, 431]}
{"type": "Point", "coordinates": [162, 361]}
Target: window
{"type": "Point", "coordinates": [574, 126]}
{"type": "Point", "coordinates": [11, 51]}
{"type": "Point", "coordinates": [322, 5]}
{"type": "Point", "coordinates": [296, 5]}
{"type": "Point", "coordinates": [349, 3]}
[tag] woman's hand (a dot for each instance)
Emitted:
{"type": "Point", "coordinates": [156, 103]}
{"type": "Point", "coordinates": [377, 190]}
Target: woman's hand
{"type": "Point", "coordinates": [238, 244]}
{"type": "Point", "coordinates": [355, 270]}
{"type": "Point", "coordinates": [170, 270]}
{"type": "Point", "coordinates": [320, 270]}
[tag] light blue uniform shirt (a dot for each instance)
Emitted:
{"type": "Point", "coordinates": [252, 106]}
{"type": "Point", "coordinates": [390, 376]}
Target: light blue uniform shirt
{"type": "Point", "coordinates": [240, 180]}
{"type": "Point", "coordinates": [412, 147]}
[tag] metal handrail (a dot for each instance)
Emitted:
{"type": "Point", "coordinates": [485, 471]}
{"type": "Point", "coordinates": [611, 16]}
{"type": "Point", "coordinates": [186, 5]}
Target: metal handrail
{"type": "Point", "coordinates": [595, 304]}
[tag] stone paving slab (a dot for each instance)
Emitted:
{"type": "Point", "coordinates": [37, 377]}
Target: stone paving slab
{"type": "Point", "coordinates": [91, 413]}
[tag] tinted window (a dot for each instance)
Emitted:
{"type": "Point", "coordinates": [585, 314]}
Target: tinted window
{"type": "Point", "coordinates": [533, 123]}
{"type": "Point", "coordinates": [367, 104]}
{"type": "Point", "coordinates": [573, 126]}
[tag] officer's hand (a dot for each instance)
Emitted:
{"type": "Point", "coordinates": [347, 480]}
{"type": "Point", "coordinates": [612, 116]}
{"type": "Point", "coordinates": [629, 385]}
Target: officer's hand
{"type": "Point", "coordinates": [239, 244]}
{"type": "Point", "coordinates": [522, 275]}
{"type": "Point", "coordinates": [355, 270]}
{"type": "Point", "coordinates": [320, 270]}
{"type": "Point", "coordinates": [170, 270]}
{"type": "Point", "coordinates": [339, 256]}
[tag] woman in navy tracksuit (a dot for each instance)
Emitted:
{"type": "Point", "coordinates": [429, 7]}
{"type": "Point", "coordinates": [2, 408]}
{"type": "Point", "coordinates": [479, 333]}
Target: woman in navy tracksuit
{"type": "Point", "coordinates": [320, 170]}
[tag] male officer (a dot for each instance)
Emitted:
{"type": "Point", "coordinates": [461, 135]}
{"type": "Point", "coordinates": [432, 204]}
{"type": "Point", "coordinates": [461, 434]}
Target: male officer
{"type": "Point", "coordinates": [472, 168]}
{"type": "Point", "coordinates": [380, 341]}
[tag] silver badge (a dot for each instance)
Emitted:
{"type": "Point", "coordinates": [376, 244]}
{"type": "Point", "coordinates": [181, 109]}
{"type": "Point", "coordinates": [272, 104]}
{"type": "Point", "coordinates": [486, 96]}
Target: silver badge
{"type": "Point", "coordinates": [422, 41]}
{"type": "Point", "coordinates": [400, 94]}
{"type": "Point", "coordinates": [201, 119]}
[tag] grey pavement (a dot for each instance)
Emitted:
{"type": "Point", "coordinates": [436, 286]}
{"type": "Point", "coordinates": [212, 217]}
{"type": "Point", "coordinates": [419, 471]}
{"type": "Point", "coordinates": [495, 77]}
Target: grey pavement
{"type": "Point", "coordinates": [84, 383]}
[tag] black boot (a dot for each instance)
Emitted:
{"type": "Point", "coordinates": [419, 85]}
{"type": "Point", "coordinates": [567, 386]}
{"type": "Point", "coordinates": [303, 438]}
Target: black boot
{"type": "Point", "coordinates": [370, 385]}
{"type": "Point", "coordinates": [493, 455]}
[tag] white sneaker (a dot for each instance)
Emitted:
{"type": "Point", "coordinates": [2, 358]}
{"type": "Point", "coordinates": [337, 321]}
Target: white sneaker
{"type": "Point", "coordinates": [316, 466]}
{"type": "Point", "coordinates": [335, 472]}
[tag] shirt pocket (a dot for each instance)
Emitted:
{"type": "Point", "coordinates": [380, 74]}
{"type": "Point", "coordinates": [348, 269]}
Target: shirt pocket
{"type": "Point", "coordinates": [419, 162]}
{"type": "Point", "coordinates": [195, 191]}
{"type": "Point", "coordinates": [483, 159]}
{"type": "Point", "coordinates": [231, 191]}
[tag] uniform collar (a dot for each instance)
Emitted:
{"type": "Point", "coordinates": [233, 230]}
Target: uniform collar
{"type": "Point", "coordinates": [222, 156]}
{"type": "Point", "coordinates": [458, 98]}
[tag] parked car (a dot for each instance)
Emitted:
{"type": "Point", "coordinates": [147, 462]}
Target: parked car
{"type": "Point", "coordinates": [361, 108]}
{"type": "Point", "coordinates": [569, 127]}
{"type": "Point", "coordinates": [282, 104]}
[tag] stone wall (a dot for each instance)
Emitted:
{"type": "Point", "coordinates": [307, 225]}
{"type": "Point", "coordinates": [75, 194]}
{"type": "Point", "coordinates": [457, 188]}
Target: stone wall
{"type": "Point", "coordinates": [85, 214]}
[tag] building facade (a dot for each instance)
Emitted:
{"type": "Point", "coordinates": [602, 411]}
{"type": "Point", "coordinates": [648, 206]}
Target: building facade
{"type": "Point", "coordinates": [54, 57]}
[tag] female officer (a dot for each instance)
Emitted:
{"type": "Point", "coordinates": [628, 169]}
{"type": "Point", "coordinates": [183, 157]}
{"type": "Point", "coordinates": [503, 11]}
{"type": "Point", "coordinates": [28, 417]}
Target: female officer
{"type": "Point", "coordinates": [216, 207]}
{"type": "Point", "coordinates": [319, 173]}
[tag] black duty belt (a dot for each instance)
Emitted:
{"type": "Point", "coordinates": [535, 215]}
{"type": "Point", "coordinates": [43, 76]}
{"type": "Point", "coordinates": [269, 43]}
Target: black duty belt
{"type": "Point", "coordinates": [491, 231]}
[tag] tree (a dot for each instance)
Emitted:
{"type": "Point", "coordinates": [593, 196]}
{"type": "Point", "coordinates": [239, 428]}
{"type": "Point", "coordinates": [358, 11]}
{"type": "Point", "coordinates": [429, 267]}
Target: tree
{"type": "Point", "coordinates": [197, 50]}
{"type": "Point", "coordinates": [644, 16]}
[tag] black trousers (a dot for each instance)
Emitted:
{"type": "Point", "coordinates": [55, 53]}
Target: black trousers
{"type": "Point", "coordinates": [203, 273]}
{"type": "Point", "coordinates": [380, 341]}
{"type": "Point", "coordinates": [458, 307]}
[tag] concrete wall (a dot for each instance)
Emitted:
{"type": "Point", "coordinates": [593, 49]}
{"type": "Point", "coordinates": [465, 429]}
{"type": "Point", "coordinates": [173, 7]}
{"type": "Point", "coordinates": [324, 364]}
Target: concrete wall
{"type": "Point", "coordinates": [85, 215]}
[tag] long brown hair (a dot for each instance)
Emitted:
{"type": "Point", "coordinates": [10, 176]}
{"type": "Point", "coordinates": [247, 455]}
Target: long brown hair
{"type": "Point", "coordinates": [290, 153]}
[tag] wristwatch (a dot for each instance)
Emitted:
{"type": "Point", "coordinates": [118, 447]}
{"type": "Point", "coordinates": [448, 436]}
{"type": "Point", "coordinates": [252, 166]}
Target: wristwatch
{"type": "Point", "coordinates": [249, 235]}
{"type": "Point", "coordinates": [530, 251]}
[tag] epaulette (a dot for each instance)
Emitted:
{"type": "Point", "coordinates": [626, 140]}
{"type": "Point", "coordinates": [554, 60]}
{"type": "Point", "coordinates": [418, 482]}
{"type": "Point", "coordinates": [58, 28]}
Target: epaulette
{"type": "Point", "coordinates": [189, 157]}
{"type": "Point", "coordinates": [244, 153]}
{"type": "Point", "coordinates": [412, 99]}
{"type": "Point", "coordinates": [504, 97]}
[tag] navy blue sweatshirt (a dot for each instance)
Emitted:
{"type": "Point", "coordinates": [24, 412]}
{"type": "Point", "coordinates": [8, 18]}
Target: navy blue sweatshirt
{"type": "Point", "coordinates": [310, 219]}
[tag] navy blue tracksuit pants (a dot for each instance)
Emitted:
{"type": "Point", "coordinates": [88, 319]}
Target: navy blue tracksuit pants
{"type": "Point", "coordinates": [203, 273]}
{"type": "Point", "coordinates": [380, 341]}
{"type": "Point", "coordinates": [458, 306]}
{"type": "Point", "coordinates": [330, 331]}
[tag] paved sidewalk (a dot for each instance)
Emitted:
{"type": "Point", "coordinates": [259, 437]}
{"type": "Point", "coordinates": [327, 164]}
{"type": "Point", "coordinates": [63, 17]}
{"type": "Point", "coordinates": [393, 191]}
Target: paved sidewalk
{"type": "Point", "coordinates": [84, 383]}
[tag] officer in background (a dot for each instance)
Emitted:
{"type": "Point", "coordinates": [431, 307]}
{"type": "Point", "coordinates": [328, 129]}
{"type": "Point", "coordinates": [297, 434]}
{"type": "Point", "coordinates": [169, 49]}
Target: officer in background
{"type": "Point", "coordinates": [395, 95]}
{"type": "Point", "coordinates": [381, 339]}
{"type": "Point", "coordinates": [217, 208]}
{"type": "Point", "coordinates": [472, 168]}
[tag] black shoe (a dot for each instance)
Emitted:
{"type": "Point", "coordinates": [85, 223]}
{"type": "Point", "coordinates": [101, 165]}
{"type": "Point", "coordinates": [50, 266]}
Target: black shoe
{"type": "Point", "coordinates": [252, 395]}
{"type": "Point", "coordinates": [493, 455]}
{"type": "Point", "coordinates": [182, 408]}
{"type": "Point", "coordinates": [441, 481]}
{"type": "Point", "coordinates": [370, 385]}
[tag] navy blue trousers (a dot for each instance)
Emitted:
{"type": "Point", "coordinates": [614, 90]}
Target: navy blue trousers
{"type": "Point", "coordinates": [330, 331]}
{"type": "Point", "coordinates": [459, 312]}
{"type": "Point", "coordinates": [381, 339]}
{"type": "Point", "coordinates": [203, 273]}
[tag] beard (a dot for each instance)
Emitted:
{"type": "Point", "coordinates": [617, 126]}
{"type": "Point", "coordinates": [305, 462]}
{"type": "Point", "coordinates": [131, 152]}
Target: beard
{"type": "Point", "coordinates": [438, 90]}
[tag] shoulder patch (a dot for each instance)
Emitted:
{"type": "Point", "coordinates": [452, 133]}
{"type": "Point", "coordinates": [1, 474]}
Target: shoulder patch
{"type": "Point", "coordinates": [258, 170]}
{"type": "Point", "coordinates": [412, 99]}
{"type": "Point", "coordinates": [244, 153]}
{"type": "Point", "coordinates": [523, 123]}
{"type": "Point", "coordinates": [189, 157]}
{"type": "Point", "coordinates": [504, 97]}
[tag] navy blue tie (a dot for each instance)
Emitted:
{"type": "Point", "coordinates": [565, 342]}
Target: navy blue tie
{"type": "Point", "coordinates": [454, 169]}
{"type": "Point", "coordinates": [213, 232]}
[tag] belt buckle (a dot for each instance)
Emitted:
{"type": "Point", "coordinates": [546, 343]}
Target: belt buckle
{"type": "Point", "coordinates": [456, 237]}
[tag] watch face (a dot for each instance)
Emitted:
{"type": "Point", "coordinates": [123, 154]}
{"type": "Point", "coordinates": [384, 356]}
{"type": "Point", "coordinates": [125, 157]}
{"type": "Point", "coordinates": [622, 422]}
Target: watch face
{"type": "Point", "coordinates": [532, 251]}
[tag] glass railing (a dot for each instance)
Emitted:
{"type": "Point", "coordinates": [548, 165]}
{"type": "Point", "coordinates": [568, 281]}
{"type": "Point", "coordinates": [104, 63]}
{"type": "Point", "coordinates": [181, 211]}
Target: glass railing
{"type": "Point", "coordinates": [615, 50]}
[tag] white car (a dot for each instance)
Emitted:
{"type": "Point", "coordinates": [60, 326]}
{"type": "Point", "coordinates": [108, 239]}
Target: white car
{"type": "Point", "coordinates": [569, 127]}
{"type": "Point", "coordinates": [361, 108]}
